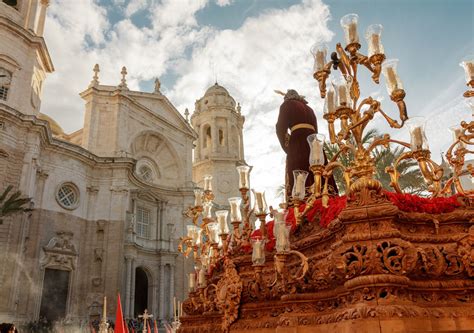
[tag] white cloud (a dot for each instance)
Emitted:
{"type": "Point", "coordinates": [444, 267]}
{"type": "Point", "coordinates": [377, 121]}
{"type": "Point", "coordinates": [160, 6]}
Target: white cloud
{"type": "Point", "coordinates": [223, 3]}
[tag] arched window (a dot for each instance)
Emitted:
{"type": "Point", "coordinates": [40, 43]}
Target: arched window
{"type": "Point", "coordinates": [5, 81]}
{"type": "Point", "coordinates": [207, 137]}
{"type": "Point", "coordinates": [221, 137]}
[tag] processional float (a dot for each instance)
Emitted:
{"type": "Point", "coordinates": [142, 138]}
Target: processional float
{"type": "Point", "coordinates": [368, 261]}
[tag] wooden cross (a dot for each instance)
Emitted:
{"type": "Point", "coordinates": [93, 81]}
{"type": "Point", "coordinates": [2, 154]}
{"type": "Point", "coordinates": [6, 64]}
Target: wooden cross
{"type": "Point", "coordinates": [145, 317]}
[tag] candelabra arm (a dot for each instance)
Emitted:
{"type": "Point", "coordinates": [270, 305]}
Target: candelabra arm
{"type": "Point", "coordinates": [185, 241]}
{"type": "Point", "coordinates": [393, 172]}
{"type": "Point", "coordinates": [381, 141]}
{"type": "Point", "coordinates": [345, 61]}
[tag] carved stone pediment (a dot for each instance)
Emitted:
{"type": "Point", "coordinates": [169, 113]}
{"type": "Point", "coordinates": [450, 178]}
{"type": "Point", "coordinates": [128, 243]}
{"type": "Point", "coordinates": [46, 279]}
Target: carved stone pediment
{"type": "Point", "coordinates": [60, 252]}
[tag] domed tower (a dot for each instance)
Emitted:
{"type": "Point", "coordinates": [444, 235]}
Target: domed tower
{"type": "Point", "coordinates": [219, 148]}
{"type": "Point", "coordinates": [24, 57]}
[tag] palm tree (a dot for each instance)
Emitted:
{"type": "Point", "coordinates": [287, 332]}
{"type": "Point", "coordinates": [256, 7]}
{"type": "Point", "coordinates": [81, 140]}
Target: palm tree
{"type": "Point", "coordinates": [12, 204]}
{"type": "Point", "coordinates": [411, 179]}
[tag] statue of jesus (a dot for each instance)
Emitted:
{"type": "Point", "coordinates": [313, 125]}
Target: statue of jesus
{"type": "Point", "coordinates": [297, 117]}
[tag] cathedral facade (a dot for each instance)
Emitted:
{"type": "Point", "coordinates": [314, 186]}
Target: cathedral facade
{"type": "Point", "coordinates": [108, 199]}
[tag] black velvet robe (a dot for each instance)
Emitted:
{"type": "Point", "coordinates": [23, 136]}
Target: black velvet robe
{"type": "Point", "coordinates": [293, 112]}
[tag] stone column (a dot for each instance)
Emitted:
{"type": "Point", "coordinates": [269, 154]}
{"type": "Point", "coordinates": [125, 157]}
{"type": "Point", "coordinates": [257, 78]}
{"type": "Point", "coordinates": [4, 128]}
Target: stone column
{"type": "Point", "coordinates": [172, 293]}
{"type": "Point", "coordinates": [128, 286]}
{"type": "Point", "coordinates": [227, 136]}
{"type": "Point", "coordinates": [197, 150]}
{"type": "Point", "coordinates": [42, 15]}
{"type": "Point", "coordinates": [162, 291]}
{"type": "Point", "coordinates": [214, 134]}
{"type": "Point", "coordinates": [132, 288]}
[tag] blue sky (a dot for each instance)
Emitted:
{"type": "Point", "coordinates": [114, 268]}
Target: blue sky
{"type": "Point", "coordinates": [253, 47]}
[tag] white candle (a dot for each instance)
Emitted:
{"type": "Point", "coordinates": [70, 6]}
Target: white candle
{"type": "Point", "coordinates": [375, 44]}
{"type": "Point", "coordinates": [258, 250]}
{"type": "Point", "coordinates": [201, 277]}
{"type": "Point", "coordinates": [392, 81]}
{"type": "Point", "coordinates": [192, 281]}
{"type": "Point", "coordinates": [316, 151]}
{"type": "Point", "coordinates": [221, 219]}
{"type": "Point", "coordinates": [342, 92]}
{"type": "Point", "coordinates": [208, 183]}
{"type": "Point", "coordinates": [353, 37]}
{"type": "Point", "coordinates": [470, 70]}
{"type": "Point", "coordinates": [181, 309]}
{"type": "Point", "coordinates": [243, 183]}
{"type": "Point", "coordinates": [259, 200]}
{"type": "Point", "coordinates": [331, 107]}
{"type": "Point", "coordinates": [282, 237]}
{"type": "Point", "coordinates": [234, 211]}
{"type": "Point", "coordinates": [299, 184]}
{"type": "Point", "coordinates": [197, 198]}
{"type": "Point", "coordinates": [417, 139]}
{"type": "Point", "coordinates": [320, 60]}
{"type": "Point", "coordinates": [104, 310]}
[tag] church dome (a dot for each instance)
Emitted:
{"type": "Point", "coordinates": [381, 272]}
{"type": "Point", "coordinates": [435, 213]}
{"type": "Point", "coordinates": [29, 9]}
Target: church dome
{"type": "Point", "coordinates": [216, 97]}
{"type": "Point", "coordinates": [55, 128]}
{"type": "Point", "coordinates": [216, 89]}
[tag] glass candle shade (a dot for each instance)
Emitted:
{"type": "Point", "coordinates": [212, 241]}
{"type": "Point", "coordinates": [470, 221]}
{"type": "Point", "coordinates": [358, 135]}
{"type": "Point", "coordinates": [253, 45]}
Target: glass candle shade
{"type": "Point", "coordinates": [389, 70]}
{"type": "Point", "coordinates": [235, 214]}
{"type": "Point", "coordinates": [457, 132]}
{"type": "Point", "coordinates": [319, 52]}
{"type": "Point", "coordinates": [207, 212]}
{"type": "Point", "coordinates": [416, 126]}
{"type": "Point", "coordinates": [282, 235]}
{"type": "Point", "coordinates": [316, 144]}
{"type": "Point", "coordinates": [299, 186]}
{"type": "Point", "coordinates": [222, 221]}
{"type": "Point", "coordinates": [192, 233]}
{"type": "Point", "coordinates": [470, 102]}
{"type": "Point", "coordinates": [243, 171]}
{"type": "Point", "coordinates": [207, 183]}
{"type": "Point", "coordinates": [213, 232]}
{"type": "Point", "coordinates": [258, 251]}
{"type": "Point", "coordinates": [197, 197]}
{"type": "Point", "coordinates": [342, 87]}
{"type": "Point", "coordinates": [260, 205]}
{"type": "Point", "coordinates": [205, 261]}
{"type": "Point", "coordinates": [349, 24]}
{"type": "Point", "coordinates": [468, 66]}
{"type": "Point", "coordinates": [330, 100]}
{"type": "Point", "coordinates": [373, 35]}
{"type": "Point", "coordinates": [192, 281]}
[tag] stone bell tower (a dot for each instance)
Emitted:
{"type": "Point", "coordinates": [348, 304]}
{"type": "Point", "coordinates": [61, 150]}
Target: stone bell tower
{"type": "Point", "coordinates": [24, 57]}
{"type": "Point", "coordinates": [219, 148]}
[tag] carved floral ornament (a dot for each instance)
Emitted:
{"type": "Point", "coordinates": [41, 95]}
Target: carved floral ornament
{"type": "Point", "coordinates": [60, 252]}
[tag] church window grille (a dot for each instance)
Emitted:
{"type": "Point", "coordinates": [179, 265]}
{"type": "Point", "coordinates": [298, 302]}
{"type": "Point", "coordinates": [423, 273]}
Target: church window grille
{"type": "Point", "coordinates": [3, 93]}
{"type": "Point", "coordinates": [146, 173]}
{"type": "Point", "coordinates": [143, 222]}
{"type": "Point", "coordinates": [68, 196]}
{"type": "Point", "coordinates": [5, 80]}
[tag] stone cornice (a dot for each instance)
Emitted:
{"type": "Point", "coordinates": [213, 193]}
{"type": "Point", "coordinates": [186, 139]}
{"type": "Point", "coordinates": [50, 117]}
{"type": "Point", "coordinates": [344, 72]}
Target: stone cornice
{"type": "Point", "coordinates": [42, 128]}
{"type": "Point", "coordinates": [30, 38]}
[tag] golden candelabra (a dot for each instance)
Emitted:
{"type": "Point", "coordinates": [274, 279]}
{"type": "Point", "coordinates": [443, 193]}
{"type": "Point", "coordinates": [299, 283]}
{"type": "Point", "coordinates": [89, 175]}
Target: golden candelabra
{"type": "Point", "coordinates": [342, 104]}
{"type": "Point", "coordinates": [463, 140]}
{"type": "Point", "coordinates": [211, 241]}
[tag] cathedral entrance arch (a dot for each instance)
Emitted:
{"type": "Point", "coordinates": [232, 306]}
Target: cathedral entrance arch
{"type": "Point", "coordinates": [141, 291]}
